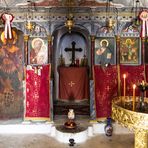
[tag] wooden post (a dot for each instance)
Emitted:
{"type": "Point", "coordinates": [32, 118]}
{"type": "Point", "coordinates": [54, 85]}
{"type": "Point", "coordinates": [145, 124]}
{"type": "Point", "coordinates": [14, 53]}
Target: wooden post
{"type": "Point", "coordinates": [49, 48]}
{"type": "Point", "coordinates": [26, 38]}
{"type": "Point", "coordinates": [118, 63]}
{"type": "Point", "coordinates": [92, 54]}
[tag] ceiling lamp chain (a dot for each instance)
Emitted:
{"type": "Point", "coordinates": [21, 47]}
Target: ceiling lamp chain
{"type": "Point", "coordinates": [69, 22]}
{"type": "Point", "coordinates": [109, 19]}
{"type": "Point", "coordinates": [29, 16]}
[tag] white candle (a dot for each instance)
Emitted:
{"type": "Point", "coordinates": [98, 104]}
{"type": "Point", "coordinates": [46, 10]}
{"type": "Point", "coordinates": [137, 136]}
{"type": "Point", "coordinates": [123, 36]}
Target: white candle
{"type": "Point", "coordinates": [134, 99]}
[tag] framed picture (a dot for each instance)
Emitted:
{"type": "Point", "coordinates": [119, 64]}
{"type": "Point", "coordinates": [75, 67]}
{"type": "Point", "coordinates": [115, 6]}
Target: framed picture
{"type": "Point", "coordinates": [38, 51]}
{"type": "Point", "coordinates": [105, 50]}
{"type": "Point", "coordinates": [130, 50]}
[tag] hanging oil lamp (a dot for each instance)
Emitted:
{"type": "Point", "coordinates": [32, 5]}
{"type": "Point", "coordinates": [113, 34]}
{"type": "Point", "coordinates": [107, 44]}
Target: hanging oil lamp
{"type": "Point", "coordinates": [69, 24]}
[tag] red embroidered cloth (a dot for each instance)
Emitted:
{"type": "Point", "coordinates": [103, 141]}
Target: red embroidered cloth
{"type": "Point", "coordinates": [105, 89]}
{"type": "Point", "coordinates": [146, 75]}
{"type": "Point", "coordinates": [106, 85]}
{"type": "Point", "coordinates": [37, 93]}
{"type": "Point", "coordinates": [73, 83]}
{"type": "Point", "coordinates": [134, 75]}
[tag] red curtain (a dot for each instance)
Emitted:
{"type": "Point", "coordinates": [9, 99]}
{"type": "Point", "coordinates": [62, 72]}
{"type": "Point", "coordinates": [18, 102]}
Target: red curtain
{"type": "Point", "coordinates": [105, 88]}
{"type": "Point", "coordinates": [37, 93]}
{"type": "Point", "coordinates": [134, 75]}
{"type": "Point", "coordinates": [106, 85]}
{"type": "Point", "coordinates": [146, 75]}
{"type": "Point", "coordinates": [73, 83]}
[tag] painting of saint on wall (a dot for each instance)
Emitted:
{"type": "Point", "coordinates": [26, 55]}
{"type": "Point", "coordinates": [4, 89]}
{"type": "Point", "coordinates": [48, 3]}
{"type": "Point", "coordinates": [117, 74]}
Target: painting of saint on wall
{"type": "Point", "coordinates": [105, 51]}
{"type": "Point", "coordinates": [38, 51]}
{"type": "Point", "coordinates": [129, 50]}
{"type": "Point", "coordinates": [11, 75]}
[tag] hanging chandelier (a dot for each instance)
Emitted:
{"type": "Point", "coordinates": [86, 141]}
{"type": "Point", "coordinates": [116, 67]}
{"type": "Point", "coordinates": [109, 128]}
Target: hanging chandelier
{"type": "Point", "coordinates": [137, 7]}
{"type": "Point", "coordinates": [109, 20]}
{"type": "Point", "coordinates": [69, 23]}
{"type": "Point", "coordinates": [29, 16]}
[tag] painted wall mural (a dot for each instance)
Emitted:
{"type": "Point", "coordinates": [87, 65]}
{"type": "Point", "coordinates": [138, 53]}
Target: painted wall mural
{"type": "Point", "coordinates": [11, 75]}
{"type": "Point", "coordinates": [117, 3]}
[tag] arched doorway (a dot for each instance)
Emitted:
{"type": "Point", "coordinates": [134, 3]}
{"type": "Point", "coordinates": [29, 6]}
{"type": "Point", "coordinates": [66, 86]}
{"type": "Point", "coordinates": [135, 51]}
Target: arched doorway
{"type": "Point", "coordinates": [62, 40]}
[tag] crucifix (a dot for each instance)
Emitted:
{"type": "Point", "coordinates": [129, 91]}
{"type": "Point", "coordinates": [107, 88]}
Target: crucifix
{"type": "Point", "coordinates": [73, 50]}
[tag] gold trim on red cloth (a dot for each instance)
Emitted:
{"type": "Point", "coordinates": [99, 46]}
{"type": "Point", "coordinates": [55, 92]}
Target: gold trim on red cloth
{"type": "Point", "coordinates": [38, 92]}
{"type": "Point", "coordinates": [36, 119]}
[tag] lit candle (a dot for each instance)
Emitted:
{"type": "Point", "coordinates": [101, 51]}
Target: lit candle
{"type": "Point", "coordinates": [124, 87]}
{"type": "Point", "coordinates": [134, 99]}
{"type": "Point", "coordinates": [143, 83]}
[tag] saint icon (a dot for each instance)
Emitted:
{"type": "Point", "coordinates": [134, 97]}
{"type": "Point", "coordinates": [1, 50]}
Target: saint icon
{"type": "Point", "coordinates": [38, 54]}
{"type": "Point", "coordinates": [104, 54]}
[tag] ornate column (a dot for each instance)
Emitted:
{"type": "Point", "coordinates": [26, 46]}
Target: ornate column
{"type": "Point", "coordinates": [26, 38]}
{"type": "Point", "coordinates": [92, 53]}
{"type": "Point", "coordinates": [49, 48]}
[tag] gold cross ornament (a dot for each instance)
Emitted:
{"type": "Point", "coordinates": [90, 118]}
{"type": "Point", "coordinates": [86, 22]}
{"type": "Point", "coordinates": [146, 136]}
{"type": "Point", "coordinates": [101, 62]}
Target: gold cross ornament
{"type": "Point", "coordinates": [71, 83]}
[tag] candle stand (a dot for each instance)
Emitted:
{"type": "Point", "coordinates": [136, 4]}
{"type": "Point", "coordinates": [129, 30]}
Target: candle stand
{"type": "Point", "coordinates": [142, 87]}
{"type": "Point", "coordinates": [134, 120]}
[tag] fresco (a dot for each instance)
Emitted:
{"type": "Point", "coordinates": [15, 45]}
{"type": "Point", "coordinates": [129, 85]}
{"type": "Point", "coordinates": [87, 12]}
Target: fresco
{"type": "Point", "coordinates": [11, 75]}
{"type": "Point", "coordinates": [117, 3]}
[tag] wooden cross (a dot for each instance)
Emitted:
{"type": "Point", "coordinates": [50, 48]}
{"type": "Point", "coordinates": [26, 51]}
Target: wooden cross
{"type": "Point", "coordinates": [73, 50]}
{"type": "Point", "coordinates": [71, 83]}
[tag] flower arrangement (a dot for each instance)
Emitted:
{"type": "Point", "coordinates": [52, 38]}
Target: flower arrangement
{"type": "Point", "coordinates": [143, 86]}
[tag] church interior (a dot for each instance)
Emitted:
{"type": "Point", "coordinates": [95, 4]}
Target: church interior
{"type": "Point", "coordinates": [73, 73]}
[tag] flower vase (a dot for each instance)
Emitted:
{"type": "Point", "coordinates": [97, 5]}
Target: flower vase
{"type": "Point", "coordinates": [108, 127]}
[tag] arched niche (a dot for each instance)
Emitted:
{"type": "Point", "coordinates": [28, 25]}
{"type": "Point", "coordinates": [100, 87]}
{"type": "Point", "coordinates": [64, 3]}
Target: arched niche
{"type": "Point", "coordinates": [62, 40]}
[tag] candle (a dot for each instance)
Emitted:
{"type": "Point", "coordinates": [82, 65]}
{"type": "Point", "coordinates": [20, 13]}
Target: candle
{"type": "Point", "coordinates": [124, 88]}
{"type": "Point", "coordinates": [143, 83]}
{"type": "Point", "coordinates": [134, 99]}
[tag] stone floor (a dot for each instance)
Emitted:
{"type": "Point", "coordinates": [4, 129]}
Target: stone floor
{"type": "Point", "coordinates": [45, 141]}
